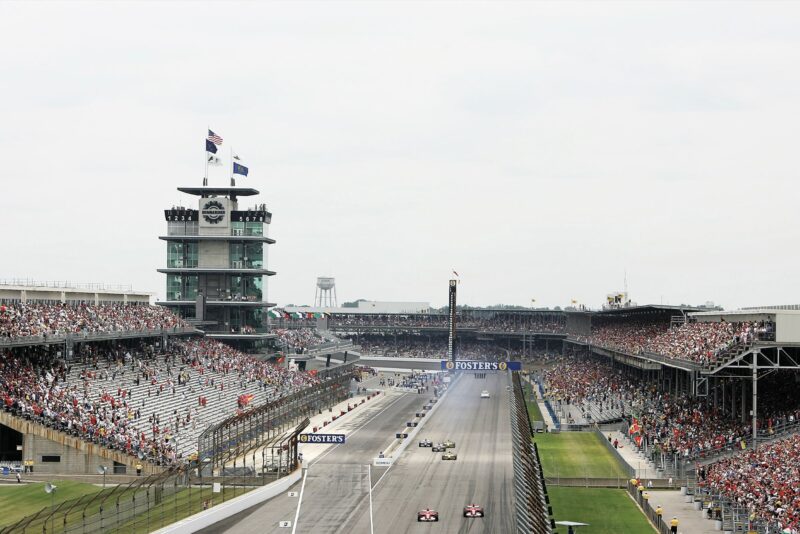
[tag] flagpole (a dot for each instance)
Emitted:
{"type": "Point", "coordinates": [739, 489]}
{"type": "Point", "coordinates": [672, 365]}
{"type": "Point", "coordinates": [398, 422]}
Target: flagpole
{"type": "Point", "coordinates": [233, 180]}
{"type": "Point", "coordinates": [205, 179]}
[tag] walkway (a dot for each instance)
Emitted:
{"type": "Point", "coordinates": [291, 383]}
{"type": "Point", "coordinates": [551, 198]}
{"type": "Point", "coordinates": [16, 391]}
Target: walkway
{"type": "Point", "coordinates": [690, 521]}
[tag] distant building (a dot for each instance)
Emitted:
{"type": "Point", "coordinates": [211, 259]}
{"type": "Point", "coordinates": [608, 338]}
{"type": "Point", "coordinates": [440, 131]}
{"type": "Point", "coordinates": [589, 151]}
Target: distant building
{"type": "Point", "coordinates": [27, 291]}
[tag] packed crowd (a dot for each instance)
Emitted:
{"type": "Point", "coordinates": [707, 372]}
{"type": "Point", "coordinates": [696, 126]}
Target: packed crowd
{"type": "Point", "coordinates": [500, 322]}
{"type": "Point", "coordinates": [299, 339]}
{"type": "Point", "coordinates": [116, 397]}
{"type": "Point", "coordinates": [699, 342]}
{"type": "Point", "coordinates": [424, 347]}
{"type": "Point", "coordinates": [22, 320]}
{"type": "Point", "coordinates": [766, 481]}
{"type": "Point", "coordinates": [666, 424]}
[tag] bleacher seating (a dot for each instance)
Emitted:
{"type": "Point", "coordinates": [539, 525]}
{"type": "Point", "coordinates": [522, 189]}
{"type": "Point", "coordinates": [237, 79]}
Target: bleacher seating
{"type": "Point", "coordinates": [136, 401]}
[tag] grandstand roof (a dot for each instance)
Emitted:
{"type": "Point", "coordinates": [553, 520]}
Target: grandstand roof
{"type": "Point", "coordinates": [224, 191]}
{"type": "Point", "coordinates": [650, 308]}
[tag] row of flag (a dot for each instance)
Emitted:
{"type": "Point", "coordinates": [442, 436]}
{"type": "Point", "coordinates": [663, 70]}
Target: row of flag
{"type": "Point", "coordinates": [279, 314]}
{"type": "Point", "coordinates": [212, 142]}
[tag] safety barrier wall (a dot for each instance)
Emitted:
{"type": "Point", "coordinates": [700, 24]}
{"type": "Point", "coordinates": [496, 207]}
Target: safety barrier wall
{"type": "Point", "coordinates": [229, 509]}
{"type": "Point", "coordinates": [532, 513]}
{"type": "Point", "coordinates": [630, 470]}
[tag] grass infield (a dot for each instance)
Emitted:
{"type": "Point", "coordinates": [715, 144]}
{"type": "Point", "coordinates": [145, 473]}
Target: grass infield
{"type": "Point", "coordinates": [20, 500]}
{"type": "Point", "coordinates": [533, 411]}
{"type": "Point", "coordinates": [577, 455]}
{"type": "Point", "coordinates": [608, 511]}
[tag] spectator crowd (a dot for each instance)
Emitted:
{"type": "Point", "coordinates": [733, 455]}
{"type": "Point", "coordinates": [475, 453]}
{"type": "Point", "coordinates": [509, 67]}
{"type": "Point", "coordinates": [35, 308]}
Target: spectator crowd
{"type": "Point", "coordinates": [137, 401]}
{"type": "Point", "coordinates": [35, 319]}
{"type": "Point", "coordinates": [427, 347]}
{"type": "Point", "coordinates": [700, 342]}
{"type": "Point", "coordinates": [766, 481]}
{"type": "Point", "coordinates": [667, 425]}
{"type": "Point", "coordinates": [297, 340]}
{"type": "Point", "coordinates": [489, 322]}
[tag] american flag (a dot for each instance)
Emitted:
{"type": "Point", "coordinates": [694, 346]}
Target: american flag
{"type": "Point", "coordinates": [214, 138]}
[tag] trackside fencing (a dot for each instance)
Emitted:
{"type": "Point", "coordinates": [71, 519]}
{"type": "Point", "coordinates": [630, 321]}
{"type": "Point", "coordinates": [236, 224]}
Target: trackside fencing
{"type": "Point", "coordinates": [532, 510]}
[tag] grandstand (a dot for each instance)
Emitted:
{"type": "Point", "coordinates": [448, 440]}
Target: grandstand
{"type": "Point", "coordinates": [120, 377]}
{"type": "Point", "coordinates": [137, 384]}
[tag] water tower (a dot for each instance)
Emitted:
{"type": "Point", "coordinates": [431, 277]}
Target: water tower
{"type": "Point", "coordinates": [325, 295]}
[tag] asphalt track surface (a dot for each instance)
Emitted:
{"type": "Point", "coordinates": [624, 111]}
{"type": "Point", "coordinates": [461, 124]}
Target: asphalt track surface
{"type": "Point", "coordinates": [336, 493]}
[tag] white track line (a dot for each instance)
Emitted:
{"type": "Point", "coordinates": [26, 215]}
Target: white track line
{"type": "Point", "coordinates": [356, 431]}
{"type": "Point", "coordinates": [299, 502]}
{"type": "Point", "coordinates": [369, 478]}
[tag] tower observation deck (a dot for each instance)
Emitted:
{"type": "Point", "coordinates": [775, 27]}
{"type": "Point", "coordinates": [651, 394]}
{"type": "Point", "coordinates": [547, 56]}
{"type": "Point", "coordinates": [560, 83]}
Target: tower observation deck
{"type": "Point", "coordinates": [217, 265]}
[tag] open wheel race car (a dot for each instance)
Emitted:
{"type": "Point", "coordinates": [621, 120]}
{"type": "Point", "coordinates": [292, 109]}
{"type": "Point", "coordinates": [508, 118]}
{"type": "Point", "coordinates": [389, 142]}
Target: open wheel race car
{"type": "Point", "coordinates": [449, 455]}
{"type": "Point", "coordinates": [427, 515]}
{"type": "Point", "coordinates": [439, 447]}
{"type": "Point", "coordinates": [473, 510]}
{"type": "Point", "coordinates": [449, 444]}
{"type": "Point", "coordinates": [426, 443]}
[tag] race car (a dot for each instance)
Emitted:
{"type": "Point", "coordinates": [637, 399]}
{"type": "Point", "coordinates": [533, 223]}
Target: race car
{"type": "Point", "coordinates": [438, 447]}
{"type": "Point", "coordinates": [484, 394]}
{"type": "Point", "coordinates": [449, 444]}
{"type": "Point", "coordinates": [427, 515]}
{"type": "Point", "coordinates": [426, 443]}
{"type": "Point", "coordinates": [473, 510]}
{"type": "Point", "coordinates": [449, 455]}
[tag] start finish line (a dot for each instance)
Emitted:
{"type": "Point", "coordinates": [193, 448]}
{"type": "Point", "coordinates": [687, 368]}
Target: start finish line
{"type": "Point", "coordinates": [473, 365]}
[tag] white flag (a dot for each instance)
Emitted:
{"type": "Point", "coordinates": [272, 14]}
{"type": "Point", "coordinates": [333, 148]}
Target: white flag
{"type": "Point", "coordinates": [213, 159]}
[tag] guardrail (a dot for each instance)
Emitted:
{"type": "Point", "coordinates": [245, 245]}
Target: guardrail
{"type": "Point", "coordinates": [241, 433]}
{"type": "Point", "coordinates": [615, 452]}
{"type": "Point", "coordinates": [532, 513]}
{"type": "Point", "coordinates": [93, 336]}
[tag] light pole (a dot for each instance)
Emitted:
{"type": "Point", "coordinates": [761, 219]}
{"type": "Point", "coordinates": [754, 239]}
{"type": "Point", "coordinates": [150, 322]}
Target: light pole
{"type": "Point", "coordinates": [203, 463]}
{"type": "Point", "coordinates": [101, 470]}
{"type": "Point", "coordinates": [51, 489]}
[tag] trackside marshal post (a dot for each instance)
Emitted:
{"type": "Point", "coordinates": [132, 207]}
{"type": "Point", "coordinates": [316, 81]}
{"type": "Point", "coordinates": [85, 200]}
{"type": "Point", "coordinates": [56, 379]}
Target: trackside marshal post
{"type": "Point", "coordinates": [321, 438]}
{"type": "Point", "coordinates": [472, 365]}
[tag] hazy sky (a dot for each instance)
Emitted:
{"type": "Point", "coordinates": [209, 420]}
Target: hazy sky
{"type": "Point", "coordinates": [539, 149]}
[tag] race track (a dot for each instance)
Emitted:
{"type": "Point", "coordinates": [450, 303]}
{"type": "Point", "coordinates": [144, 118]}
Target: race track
{"type": "Point", "coordinates": [336, 493]}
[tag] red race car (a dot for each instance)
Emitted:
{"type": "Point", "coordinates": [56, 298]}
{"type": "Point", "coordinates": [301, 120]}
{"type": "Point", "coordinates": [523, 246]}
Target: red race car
{"type": "Point", "coordinates": [473, 510]}
{"type": "Point", "coordinates": [428, 515]}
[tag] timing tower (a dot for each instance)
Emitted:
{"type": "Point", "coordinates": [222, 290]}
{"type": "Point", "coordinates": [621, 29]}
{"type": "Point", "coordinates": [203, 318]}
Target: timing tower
{"type": "Point", "coordinates": [217, 265]}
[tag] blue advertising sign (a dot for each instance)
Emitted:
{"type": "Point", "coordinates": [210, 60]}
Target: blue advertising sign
{"type": "Point", "coordinates": [321, 438]}
{"type": "Point", "coordinates": [472, 365]}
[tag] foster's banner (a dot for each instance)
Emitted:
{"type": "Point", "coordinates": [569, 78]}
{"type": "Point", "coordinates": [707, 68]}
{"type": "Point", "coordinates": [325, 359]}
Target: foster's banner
{"type": "Point", "coordinates": [321, 438]}
{"type": "Point", "coordinates": [472, 365]}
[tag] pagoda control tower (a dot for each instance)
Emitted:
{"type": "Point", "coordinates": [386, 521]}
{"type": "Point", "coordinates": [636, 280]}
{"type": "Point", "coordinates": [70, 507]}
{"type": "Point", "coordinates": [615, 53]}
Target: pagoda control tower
{"type": "Point", "coordinates": [217, 265]}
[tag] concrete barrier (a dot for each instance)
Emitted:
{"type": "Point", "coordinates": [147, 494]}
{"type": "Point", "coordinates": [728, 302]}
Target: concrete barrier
{"type": "Point", "coordinates": [230, 508]}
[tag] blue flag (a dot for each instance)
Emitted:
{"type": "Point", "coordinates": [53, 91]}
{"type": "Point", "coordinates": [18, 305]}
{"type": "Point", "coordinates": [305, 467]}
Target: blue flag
{"type": "Point", "coordinates": [239, 169]}
{"type": "Point", "coordinates": [211, 147]}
